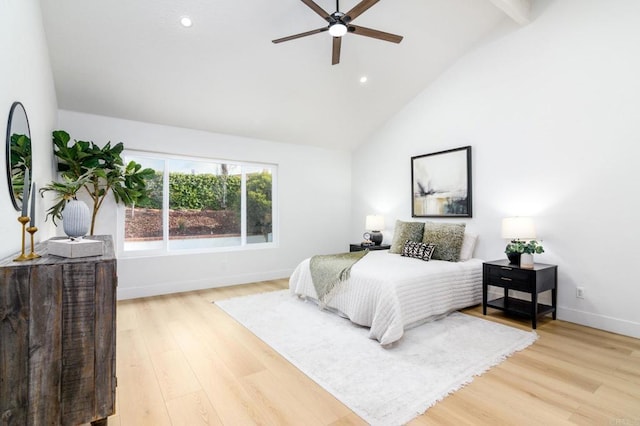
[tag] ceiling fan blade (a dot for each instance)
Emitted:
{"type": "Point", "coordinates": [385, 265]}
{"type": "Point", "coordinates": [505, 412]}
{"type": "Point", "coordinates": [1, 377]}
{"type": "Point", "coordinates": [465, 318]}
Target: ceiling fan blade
{"type": "Point", "coordinates": [337, 44]}
{"type": "Point", "coordinates": [295, 36]}
{"type": "Point", "coordinates": [381, 35]}
{"type": "Point", "coordinates": [317, 9]}
{"type": "Point", "coordinates": [358, 9]}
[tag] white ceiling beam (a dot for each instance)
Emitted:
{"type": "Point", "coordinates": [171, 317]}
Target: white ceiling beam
{"type": "Point", "coordinates": [518, 10]}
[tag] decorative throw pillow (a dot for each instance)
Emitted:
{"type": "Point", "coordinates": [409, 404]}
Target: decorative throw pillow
{"type": "Point", "coordinates": [468, 244]}
{"type": "Point", "coordinates": [412, 231]}
{"type": "Point", "coordinates": [447, 237]}
{"type": "Point", "coordinates": [418, 250]}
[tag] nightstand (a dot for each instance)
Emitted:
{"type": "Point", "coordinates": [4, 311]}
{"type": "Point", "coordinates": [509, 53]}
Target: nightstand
{"type": "Point", "coordinates": [358, 247]}
{"type": "Point", "coordinates": [541, 278]}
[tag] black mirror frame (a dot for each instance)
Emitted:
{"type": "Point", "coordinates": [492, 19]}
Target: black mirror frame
{"type": "Point", "coordinates": [14, 106]}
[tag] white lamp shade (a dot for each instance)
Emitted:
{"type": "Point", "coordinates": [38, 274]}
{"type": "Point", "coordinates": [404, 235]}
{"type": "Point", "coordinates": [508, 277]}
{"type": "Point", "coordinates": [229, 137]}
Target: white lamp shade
{"type": "Point", "coordinates": [374, 223]}
{"type": "Point", "coordinates": [518, 228]}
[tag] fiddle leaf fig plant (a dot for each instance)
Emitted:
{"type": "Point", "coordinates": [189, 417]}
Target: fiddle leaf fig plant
{"type": "Point", "coordinates": [20, 153]}
{"type": "Point", "coordinates": [99, 171]}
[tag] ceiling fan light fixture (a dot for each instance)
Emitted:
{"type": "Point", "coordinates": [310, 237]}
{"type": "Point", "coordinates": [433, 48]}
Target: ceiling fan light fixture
{"type": "Point", "coordinates": [338, 29]}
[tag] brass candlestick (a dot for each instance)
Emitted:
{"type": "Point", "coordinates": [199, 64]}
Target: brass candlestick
{"type": "Point", "coordinates": [23, 220]}
{"type": "Point", "coordinates": [33, 255]}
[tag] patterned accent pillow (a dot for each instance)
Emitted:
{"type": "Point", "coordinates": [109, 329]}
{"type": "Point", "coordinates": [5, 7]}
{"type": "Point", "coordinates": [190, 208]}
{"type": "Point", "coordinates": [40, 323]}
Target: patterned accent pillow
{"type": "Point", "coordinates": [447, 237]}
{"type": "Point", "coordinates": [418, 250]}
{"type": "Point", "coordinates": [412, 231]}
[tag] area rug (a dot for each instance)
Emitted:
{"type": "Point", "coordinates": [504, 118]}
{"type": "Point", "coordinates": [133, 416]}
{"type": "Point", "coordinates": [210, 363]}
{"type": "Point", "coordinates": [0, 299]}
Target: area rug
{"type": "Point", "coordinates": [384, 386]}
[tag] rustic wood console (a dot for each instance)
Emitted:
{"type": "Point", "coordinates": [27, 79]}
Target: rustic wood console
{"type": "Point", "coordinates": [57, 339]}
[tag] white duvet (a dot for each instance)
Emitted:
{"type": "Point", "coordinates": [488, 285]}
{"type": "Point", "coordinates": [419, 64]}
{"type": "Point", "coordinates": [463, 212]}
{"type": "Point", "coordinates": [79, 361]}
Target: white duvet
{"type": "Point", "coordinates": [390, 293]}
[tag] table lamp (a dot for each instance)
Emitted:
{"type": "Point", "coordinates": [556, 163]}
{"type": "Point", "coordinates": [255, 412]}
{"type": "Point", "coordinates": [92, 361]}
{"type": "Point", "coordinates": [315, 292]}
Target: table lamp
{"type": "Point", "coordinates": [374, 223]}
{"type": "Point", "coordinates": [517, 229]}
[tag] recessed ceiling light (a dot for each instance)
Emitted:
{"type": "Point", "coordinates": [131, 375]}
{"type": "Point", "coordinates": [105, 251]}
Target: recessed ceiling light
{"type": "Point", "coordinates": [363, 79]}
{"type": "Point", "coordinates": [186, 21]}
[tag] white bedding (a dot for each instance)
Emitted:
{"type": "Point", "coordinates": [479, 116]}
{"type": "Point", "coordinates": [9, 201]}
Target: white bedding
{"type": "Point", "coordinates": [390, 293]}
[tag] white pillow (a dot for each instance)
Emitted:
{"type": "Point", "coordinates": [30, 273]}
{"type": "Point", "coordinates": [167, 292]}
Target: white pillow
{"type": "Point", "coordinates": [468, 244]}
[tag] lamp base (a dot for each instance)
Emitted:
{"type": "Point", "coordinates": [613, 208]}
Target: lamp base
{"type": "Point", "coordinates": [376, 237]}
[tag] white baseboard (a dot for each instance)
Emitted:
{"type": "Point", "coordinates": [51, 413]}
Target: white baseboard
{"type": "Point", "coordinates": [589, 319]}
{"type": "Point", "coordinates": [215, 282]}
{"type": "Point", "coordinates": [601, 322]}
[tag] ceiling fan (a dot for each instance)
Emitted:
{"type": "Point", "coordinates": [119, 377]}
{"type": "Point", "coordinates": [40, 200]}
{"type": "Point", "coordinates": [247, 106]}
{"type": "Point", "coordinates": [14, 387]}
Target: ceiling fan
{"type": "Point", "coordinates": [340, 24]}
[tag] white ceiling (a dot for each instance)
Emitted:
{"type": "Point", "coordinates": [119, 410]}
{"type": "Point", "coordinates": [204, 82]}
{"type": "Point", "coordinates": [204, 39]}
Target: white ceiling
{"type": "Point", "coordinates": [133, 60]}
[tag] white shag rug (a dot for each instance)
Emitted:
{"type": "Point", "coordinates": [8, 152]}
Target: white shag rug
{"type": "Point", "coordinates": [384, 386]}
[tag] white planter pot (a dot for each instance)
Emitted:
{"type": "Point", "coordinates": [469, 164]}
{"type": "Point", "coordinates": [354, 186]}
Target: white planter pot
{"type": "Point", "coordinates": [76, 219]}
{"type": "Point", "coordinates": [526, 261]}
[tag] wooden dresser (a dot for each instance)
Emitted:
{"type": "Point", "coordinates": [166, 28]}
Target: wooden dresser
{"type": "Point", "coordinates": [57, 339]}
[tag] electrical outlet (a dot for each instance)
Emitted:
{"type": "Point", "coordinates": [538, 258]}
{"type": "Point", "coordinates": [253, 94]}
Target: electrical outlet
{"type": "Point", "coordinates": [580, 292]}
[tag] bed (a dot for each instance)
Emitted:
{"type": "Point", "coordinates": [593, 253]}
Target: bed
{"type": "Point", "coordinates": [391, 293]}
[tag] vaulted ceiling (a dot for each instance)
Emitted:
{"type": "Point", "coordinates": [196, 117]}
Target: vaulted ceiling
{"type": "Point", "coordinates": [133, 60]}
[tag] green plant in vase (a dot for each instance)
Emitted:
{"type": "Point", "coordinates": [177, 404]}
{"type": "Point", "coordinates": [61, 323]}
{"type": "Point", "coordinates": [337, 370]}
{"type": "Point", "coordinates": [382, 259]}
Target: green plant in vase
{"type": "Point", "coordinates": [517, 247]}
{"type": "Point", "coordinates": [65, 191]}
{"type": "Point", "coordinates": [96, 170]}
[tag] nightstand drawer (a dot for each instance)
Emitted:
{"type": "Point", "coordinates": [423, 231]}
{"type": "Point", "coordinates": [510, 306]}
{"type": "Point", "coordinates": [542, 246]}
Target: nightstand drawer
{"type": "Point", "coordinates": [504, 276]}
{"type": "Point", "coordinates": [509, 272]}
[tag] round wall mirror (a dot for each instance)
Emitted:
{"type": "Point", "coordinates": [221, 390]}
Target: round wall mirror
{"type": "Point", "coordinates": [18, 152]}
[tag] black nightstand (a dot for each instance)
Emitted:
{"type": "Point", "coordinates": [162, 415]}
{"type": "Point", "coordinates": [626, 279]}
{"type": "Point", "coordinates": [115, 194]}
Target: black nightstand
{"type": "Point", "coordinates": [358, 247]}
{"type": "Point", "coordinates": [542, 277]}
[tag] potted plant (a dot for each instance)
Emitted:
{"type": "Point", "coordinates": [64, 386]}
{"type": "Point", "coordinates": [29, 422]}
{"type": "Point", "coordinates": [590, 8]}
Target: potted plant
{"type": "Point", "coordinates": [516, 248]}
{"type": "Point", "coordinates": [98, 171]}
{"type": "Point", "coordinates": [77, 217]}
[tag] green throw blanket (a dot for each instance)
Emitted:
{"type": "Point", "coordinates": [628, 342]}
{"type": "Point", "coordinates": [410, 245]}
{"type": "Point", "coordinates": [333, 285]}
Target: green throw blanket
{"type": "Point", "coordinates": [327, 271]}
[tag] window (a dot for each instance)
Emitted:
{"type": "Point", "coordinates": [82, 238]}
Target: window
{"type": "Point", "coordinates": [197, 204]}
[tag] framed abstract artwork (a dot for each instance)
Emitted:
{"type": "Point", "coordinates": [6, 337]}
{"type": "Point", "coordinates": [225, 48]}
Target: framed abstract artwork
{"type": "Point", "coordinates": [441, 184]}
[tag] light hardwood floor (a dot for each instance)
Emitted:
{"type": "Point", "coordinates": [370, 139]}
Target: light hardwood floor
{"type": "Point", "coordinates": [183, 361]}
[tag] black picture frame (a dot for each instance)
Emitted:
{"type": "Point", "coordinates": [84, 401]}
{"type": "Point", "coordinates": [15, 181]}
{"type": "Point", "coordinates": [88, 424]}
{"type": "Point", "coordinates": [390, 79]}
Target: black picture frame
{"type": "Point", "coordinates": [441, 184]}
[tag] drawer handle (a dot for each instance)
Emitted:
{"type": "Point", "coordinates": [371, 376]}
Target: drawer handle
{"type": "Point", "coordinates": [506, 268]}
{"type": "Point", "coordinates": [505, 278]}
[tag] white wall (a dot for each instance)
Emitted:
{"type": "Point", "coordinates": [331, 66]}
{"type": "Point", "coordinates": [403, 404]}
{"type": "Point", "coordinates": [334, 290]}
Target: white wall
{"type": "Point", "coordinates": [314, 195]}
{"type": "Point", "coordinates": [25, 76]}
{"type": "Point", "coordinates": [552, 111]}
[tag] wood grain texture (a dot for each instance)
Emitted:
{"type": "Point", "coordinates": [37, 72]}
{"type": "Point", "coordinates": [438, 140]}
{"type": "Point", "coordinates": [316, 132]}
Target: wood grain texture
{"type": "Point", "coordinates": [105, 339]}
{"type": "Point", "coordinates": [45, 343]}
{"type": "Point", "coordinates": [56, 367]}
{"type": "Point", "coordinates": [193, 409]}
{"type": "Point", "coordinates": [571, 375]}
{"type": "Point", "coordinates": [78, 341]}
{"type": "Point", "coordinates": [14, 345]}
{"type": "Point", "coordinates": [140, 399]}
